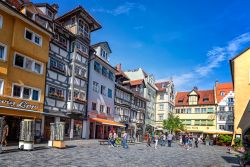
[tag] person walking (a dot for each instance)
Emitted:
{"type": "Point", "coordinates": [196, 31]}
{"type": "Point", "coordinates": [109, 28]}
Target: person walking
{"type": "Point", "coordinates": [170, 138]}
{"type": "Point", "coordinates": [163, 139]}
{"type": "Point", "coordinates": [114, 138]}
{"type": "Point", "coordinates": [153, 137]}
{"type": "Point", "coordinates": [196, 141]}
{"type": "Point", "coordinates": [110, 139]}
{"type": "Point", "coordinates": [124, 140]}
{"type": "Point", "coordinates": [156, 138]}
{"type": "Point", "coordinates": [148, 140]}
{"type": "Point", "coordinates": [5, 133]}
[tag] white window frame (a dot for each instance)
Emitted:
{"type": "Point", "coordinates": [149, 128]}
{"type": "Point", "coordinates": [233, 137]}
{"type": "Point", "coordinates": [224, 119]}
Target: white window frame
{"type": "Point", "coordinates": [31, 94]}
{"type": "Point", "coordinates": [5, 51]}
{"type": "Point", "coordinates": [1, 86]}
{"type": "Point", "coordinates": [33, 37]}
{"type": "Point", "coordinates": [24, 62]}
{"type": "Point", "coordinates": [1, 21]}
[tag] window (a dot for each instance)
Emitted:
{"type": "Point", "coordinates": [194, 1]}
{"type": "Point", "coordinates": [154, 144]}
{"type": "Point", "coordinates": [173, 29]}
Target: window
{"type": "Point", "coordinates": [109, 93]}
{"type": "Point", "coordinates": [197, 110]}
{"type": "Point", "coordinates": [33, 37]}
{"type": "Point", "coordinates": [222, 93]}
{"type": "Point", "coordinates": [80, 72]}
{"type": "Point", "coordinates": [203, 110]}
{"type": "Point", "coordinates": [230, 127]}
{"type": "Point", "coordinates": [28, 63]}
{"type": "Point", "coordinates": [186, 122]}
{"type": "Point", "coordinates": [177, 111]}
{"type": "Point", "coordinates": [222, 127]}
{"type": "Point", "coordinates": [97, 67]}
{"type": "Point", "coordinates": [210, 110]}
{"type": "Point", "coordinates": [93, 106]}
{"type": "Point", "coordinates": [1, 22]}
{"type": "Point", "coordinates": [50, 14]}
{"type": "Point", "coordinates": [103, 89]}
{"type": "Point", "coordinates": [56, 92]}
{"type": "Point", "coordinates": [104, 72]}
{"type": "Point", "coordinates": [161, 106]}
{"type": "Point", "coordinates": [25, 92]}
{"type": "Point", "coordinates": [101, 108]}
{"type": "Point", "coordinates": [230, 101]}
{"type": "Point", "coordinates": [111, 76]}
{"type": "Point", "coordinates": [104, 54]}
{"type": "Point", "coordinates": [29, 14]}
{"type": "Point", "coordinates": [108, 110]}
{"type": "Point", "coordinates": [222, 108]}
{"type": "Point", "coordinates": [95, 87]}
{"type": "Point", "coordinates": [188, 110]}
{"type": "Point", "coordinates": [180, 101]}
{"type": "Point", "coordinates": [205, 99]}
{"type": "Point", "coordinates": [160, 117]}
{"type": "Point", "coordinates": [1, 86]}
{"type": "Point", "coordinates": [62, 41]}
{"type": "Point", "coordinates": [83, 28]}
{"type": "Point", "coordinates": [230, 108]}
{"type": "Point", "coordinates": [57, 65]}
{"type": "Point", "coordinates": [3, 51]}
{"type": "Point", "coordinates": [183, 111]}
{"type": "Point", "coordinates": [161, 96]}
{"type": "Point", "coordinates": [73, 20]}
{"type": "Point", "coordinates": [222, 118]}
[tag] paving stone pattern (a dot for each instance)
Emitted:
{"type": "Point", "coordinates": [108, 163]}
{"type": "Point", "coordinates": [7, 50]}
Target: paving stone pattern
{"type": "Point", "coordinates": [92, 154]}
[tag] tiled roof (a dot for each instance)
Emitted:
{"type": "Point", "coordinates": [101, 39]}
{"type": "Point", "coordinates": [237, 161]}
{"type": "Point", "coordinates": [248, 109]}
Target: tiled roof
{"type": "Point", "coordinates": [136, 82]}
{"type": "Point", "coordinates": [202, 94]}
{"type": "Point", "coordinates": [223, 87]}
{"type": "Point", "coordinates": [159, 85]}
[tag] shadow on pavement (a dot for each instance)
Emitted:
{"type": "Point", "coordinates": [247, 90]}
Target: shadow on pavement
{"type": "Point", "coordinates": [13, 150]}
{"type": "Point", "coordinates": [232, 160]}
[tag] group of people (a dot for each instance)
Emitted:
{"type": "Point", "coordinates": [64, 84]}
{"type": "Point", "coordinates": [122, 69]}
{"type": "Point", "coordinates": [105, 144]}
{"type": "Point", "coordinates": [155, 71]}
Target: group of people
{"type": "Point", "coordinates": [159, 137]}
{"type": "Point", "coordinates": [188, 140]}
{"type": "Point", "coordinates": [113, 137]}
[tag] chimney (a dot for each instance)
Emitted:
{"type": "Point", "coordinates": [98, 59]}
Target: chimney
{"type": "Point", "coordinates": [119, 67]}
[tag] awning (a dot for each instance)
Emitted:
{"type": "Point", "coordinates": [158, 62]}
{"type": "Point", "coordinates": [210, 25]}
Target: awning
{"type": "Point", "coordinates": [218, 132]}
{"type": "Point", "coordinates": [106, 122]}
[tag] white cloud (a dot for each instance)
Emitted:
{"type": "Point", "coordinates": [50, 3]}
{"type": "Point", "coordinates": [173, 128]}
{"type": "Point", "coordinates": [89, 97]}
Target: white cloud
{"type": "Point", "coordinates": [215, 57]}
{"type": "Point", "coordinates": [121, 9]}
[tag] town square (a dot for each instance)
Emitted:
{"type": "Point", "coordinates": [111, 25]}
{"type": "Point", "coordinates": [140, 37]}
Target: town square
{"type": "Point", "coordinates": [124, 83]}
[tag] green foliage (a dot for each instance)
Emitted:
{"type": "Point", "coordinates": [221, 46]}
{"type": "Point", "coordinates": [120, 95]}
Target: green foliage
{"type": "Point", "coordinates": [173, 123]}
{"type": "Point", "coordinates": [238, 142]}
{"type": "Point", "coordinates": [227, 139]}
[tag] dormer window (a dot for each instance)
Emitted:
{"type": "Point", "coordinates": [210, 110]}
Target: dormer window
{"type": "Point", "coordinates": [50, 14]}
{"type": "Point", "coordinates": [104, 54]}
{"type": "Point", "coordinates": [29, 14]}
{"type": "Point", "coordinates": [193, 100]}
{"type": "Point", "coordinates": [180, 101]}
{"type": "Point", "coordinates": [205, 99]}
{"type": "Point", "coordinates": [222, 93]}
{"type": "Point", "coordinates": [163, 85]}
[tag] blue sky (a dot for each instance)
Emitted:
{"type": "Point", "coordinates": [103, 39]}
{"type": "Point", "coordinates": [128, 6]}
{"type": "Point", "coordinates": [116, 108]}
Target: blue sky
{"type": "Point", "coordinates": [188, 40]}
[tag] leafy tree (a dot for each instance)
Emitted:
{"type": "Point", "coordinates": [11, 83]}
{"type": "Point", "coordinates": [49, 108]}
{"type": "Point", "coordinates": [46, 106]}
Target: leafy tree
{"type": "Point", "coordinates": [173, 123]}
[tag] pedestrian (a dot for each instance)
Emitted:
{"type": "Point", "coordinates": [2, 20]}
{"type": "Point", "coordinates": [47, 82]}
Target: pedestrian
{"type": "Point", "coordinates": [124, 140]}
{"type": "Point", "coordinates": [115, 138]}
{"type": "Point", "coordinates": [170, 138]}
{"type": "Point", "coordinates": [184, 140]}
{"type": "Point", "coordinates": [153, 137]}
{"type": "Point", "coordinates": [196, 141]}
{"type": "Point", "coordinates": [163, 141]}
{"type": "Point", "coordinates": [156, 138]}
{"type": "Point", "coordinates": [110, 139]}
{"type": "Point", "coordinates": [5, 133]}
{"type": "Point", "coordinates": [148, 140]}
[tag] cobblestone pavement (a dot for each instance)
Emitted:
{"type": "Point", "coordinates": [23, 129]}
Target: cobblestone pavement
{"type": "Point", "coordinates": [93, 154]}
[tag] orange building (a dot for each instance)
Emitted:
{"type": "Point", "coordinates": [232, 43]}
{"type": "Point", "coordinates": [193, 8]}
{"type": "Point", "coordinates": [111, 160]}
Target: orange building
{"type": "Point", "coordinates": [24, 47]}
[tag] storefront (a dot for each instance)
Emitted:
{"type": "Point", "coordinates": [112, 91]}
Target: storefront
{"type": "Point", "coordinates": [15, 110]}
{"type": "Point", "coordinates": [100, 128]}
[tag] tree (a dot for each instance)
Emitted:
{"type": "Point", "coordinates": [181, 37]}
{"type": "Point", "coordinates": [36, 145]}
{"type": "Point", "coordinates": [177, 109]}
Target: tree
{"type": "Point", "coordinates": [173, 123]}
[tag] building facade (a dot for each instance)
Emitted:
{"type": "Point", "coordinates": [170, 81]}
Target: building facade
{"type": "Point", "coordinates": [165, 99]}
{"type": "Point", "coordinates": [240, 66]}
{"type": "Point", "coordinates": [225, 106]}
{"type": "Point", "coordinates": [101, 93]}
{"type": "Point", "coordinates": [24, 48]}
{"type": "Point", "coordinates": [149, 93]}
{"type": "Point", "coordinates": [197, 110]}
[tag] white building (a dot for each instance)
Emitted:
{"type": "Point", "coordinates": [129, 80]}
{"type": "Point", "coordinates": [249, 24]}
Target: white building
{"type": "Point", "coordinates": [164, 101]}
{"type": "Point", "coordinates": [100, 92]}
{"type": "Point", "coordinates": [225, 106]}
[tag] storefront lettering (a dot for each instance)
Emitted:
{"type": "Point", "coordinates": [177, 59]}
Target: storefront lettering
{"type": "Point", "coordinates": [22, 104]}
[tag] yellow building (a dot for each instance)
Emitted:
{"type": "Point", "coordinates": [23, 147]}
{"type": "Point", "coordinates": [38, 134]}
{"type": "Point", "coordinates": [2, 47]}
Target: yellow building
{"type": "Point", "coordinates": [24, 47]}
{"type": "Point", "coordinates": [197, 110]}
{"type": "Point", "coordinates": [240, 71]}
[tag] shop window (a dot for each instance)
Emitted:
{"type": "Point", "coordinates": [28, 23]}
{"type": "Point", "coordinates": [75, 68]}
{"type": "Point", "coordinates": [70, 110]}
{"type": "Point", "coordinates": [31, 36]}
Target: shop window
{"type": "Point", "coordinates": [3, 51]}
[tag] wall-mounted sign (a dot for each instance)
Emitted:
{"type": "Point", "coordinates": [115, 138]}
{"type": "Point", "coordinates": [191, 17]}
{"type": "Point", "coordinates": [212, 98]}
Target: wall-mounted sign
{"type": "Point", "coordinates": [192, 127]}
{"type": "Point", "coordinates": [20, 104]}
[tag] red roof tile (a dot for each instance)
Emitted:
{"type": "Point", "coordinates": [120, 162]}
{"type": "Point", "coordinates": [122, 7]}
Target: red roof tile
{"type": "Point", "coordinates": [223, 87]}
{"type": "Point", "coordinates": [159, 85]}
{"type": "Point", "coordinates": [136, 82]}
{"type": "Point", "coordinates": [202, 94]}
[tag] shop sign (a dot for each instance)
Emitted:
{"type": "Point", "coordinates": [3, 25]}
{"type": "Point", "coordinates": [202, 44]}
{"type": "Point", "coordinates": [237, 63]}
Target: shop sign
{"type": "Point", "coordinates": [192, 127]}
{"type": "Point", "coordinates": [20, 104]}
